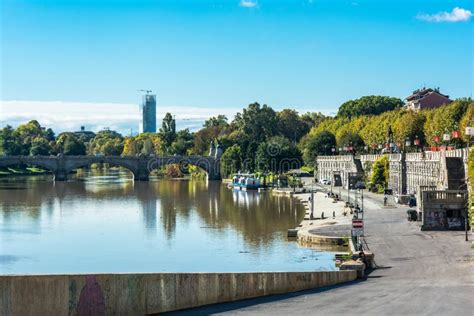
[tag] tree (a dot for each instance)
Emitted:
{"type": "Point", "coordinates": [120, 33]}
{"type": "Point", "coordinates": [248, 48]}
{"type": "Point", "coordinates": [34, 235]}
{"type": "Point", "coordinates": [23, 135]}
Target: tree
{"type": "Point", "coordinates": [257, 122]}
{"type": "Point", "coordinates": [182, 143]}
{"type": "Point", "coordinates": [379, 177]}
{"type": "Point", "coordinates": [214, 128]}
{"type": "Point", "coordinates": [145, 143]}
{"type": "Point", "coordinates": [106, 142]}
{"type": "Point", "coordinates": [410, 126]}
{"type": "Point", "coordinates": [291, 125]}
{"type": "Point", "coordinates": [24, 135]}
{"type": "Point", "coordinates": [219, 121]}
{"type": "Point", "coordinates": [312, 119]}
{"type": "Point", "coordinates": [351, 140]}
{"type": "Point", "coordinates": [278, 154]}
{"type": "Point", "coordinates": [231, 161]}
{"type": "Point", "coordinates": [9, 144]}
{"type": "Point", "coordinates": [369, 105]}
{"type": "Point", "coordinates": [68, 144]}
{"type": "Point", "coordinates": [168, 131]}
{"type": "Point", "coordinates": [40, 146]}
{"type": "Point", "coordinates": [317, 145]}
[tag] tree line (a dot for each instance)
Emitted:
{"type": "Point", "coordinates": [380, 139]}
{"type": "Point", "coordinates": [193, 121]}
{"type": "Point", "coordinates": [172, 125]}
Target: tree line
{"type": "Point", "coordinates": [258, 139]}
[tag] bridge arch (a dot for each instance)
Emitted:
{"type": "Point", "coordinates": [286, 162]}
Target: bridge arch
{"type": "Point", "coordinates": [129, 163]}
{"type": "Point", "coordinates": [47, 163]}
{"type": "Point", "coordinates": [208, 164]}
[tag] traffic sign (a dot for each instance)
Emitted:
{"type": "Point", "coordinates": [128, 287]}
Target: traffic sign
{"type": "Point", "coordinates": [357, 223]}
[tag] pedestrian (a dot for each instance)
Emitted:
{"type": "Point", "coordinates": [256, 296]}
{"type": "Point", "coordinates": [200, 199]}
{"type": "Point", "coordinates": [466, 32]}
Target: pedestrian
{"type": "Point", "coordinates": [385, 201]}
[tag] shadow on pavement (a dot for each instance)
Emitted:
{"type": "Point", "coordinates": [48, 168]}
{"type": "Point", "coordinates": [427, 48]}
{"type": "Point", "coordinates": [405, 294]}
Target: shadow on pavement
{"type": "Point", "coordinates": [225, 307]}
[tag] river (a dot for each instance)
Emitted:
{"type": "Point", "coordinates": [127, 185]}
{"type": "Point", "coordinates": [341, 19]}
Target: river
{"type": "Point", "coordinates": [101, 221]}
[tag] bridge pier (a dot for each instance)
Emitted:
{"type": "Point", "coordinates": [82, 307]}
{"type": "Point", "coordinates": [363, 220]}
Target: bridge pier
{"type": "Point", "coordinates": [60, 175]}
{"type": "Point", "coordinates": [141, 176]}
{"type": "Point", "coordinates": [214, 176]}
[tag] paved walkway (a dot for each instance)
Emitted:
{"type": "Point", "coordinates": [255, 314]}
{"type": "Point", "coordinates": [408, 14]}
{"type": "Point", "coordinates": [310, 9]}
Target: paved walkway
{"type": "Point", "coordinates": [420, 273]}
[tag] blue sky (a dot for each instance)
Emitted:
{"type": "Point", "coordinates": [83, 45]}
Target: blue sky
{"type": "Point", "coordinates": [224, 54]}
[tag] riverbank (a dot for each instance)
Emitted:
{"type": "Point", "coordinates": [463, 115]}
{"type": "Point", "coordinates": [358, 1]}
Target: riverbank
{"type": "Point", "coordinates": [28, 171]}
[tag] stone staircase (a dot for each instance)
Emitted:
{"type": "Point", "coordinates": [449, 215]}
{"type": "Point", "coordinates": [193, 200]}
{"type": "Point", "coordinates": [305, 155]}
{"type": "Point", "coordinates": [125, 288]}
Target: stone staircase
{"type": "Point", "coordinates": [456, 176]}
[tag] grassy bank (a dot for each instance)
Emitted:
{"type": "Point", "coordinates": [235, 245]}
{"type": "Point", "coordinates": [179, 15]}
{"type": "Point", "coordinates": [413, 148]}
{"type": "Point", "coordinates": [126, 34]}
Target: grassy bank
{"type": "Point", "coordinates": [19, 171]}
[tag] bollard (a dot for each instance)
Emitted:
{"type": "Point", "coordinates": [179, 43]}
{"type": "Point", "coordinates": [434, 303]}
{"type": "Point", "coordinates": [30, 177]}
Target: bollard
{"type": "Point", "coordinates": [333, 214]}
{"type": "Point", "coordinates": [322, 215]}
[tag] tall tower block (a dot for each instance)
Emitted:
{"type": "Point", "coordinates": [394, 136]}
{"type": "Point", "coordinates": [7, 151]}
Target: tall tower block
{"type": "Point", "coordinates": [148, 114]}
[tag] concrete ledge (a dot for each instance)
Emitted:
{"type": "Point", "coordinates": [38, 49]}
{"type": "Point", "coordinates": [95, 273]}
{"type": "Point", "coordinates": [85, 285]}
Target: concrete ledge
{"type": "Point", "coordinates": [353, 265]}
{"type": "Point", "coordinates": [305, 237]}
{"type": "Point", "coordinates": [112, 294]}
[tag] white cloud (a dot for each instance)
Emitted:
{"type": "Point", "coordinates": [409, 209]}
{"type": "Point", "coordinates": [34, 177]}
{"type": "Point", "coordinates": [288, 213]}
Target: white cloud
{"type": "Point", "coordinates": [456, 15]}
{"type": "Point", "coordinates": [69, 116]}
{"type": "Point", "coordinates": [248, 3]}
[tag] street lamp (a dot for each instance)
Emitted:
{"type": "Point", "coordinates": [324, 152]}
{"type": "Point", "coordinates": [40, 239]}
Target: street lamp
{"type": "Point", "coordinates": [466, 217]}
{"type": "Point", "coordinates": [417, 142]}
{"type": "Point", "coordinates": [407, 144]}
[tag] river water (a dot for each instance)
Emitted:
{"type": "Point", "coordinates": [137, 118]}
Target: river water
{"type": "Point", "coordinates": [102, 221]}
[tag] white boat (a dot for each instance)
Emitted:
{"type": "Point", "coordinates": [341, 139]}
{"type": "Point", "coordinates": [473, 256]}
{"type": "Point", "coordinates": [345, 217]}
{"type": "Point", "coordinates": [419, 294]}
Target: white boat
{"type": "Point", "coordinates": [245, 182]}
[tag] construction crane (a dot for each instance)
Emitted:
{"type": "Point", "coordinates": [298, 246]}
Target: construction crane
{"type": "Point", "coordinates": [146, 91]}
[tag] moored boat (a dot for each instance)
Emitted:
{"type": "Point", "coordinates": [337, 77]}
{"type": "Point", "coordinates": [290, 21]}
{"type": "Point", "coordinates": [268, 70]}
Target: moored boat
{"type": "Point", "coordinates": [245, 182]}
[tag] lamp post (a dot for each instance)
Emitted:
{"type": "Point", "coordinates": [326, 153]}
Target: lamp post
{"type": "Point", "coordinates": [417, 142]}
{"type": "Point", "coordinates": [466, 217]}
{"type": "Point", "coordinates": [407, 144]}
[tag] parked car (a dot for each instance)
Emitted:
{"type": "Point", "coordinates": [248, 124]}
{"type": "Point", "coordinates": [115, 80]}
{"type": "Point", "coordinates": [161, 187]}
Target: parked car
{"type": "Point", "coordinates": [325, 181]}
{"type": "Point", "coordinates": [412, 201]}
{"type": "Point", "coordinates": [412, 215]}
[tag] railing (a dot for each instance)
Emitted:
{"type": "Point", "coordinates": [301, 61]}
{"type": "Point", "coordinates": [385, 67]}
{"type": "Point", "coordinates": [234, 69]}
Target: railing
{"type": "Point", "coordinates": [447, 196]}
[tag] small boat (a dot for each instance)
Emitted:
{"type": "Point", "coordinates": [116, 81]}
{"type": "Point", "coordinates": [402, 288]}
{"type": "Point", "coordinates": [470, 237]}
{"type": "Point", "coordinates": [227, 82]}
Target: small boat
{"type": "Point", "coordinates": [245, 182]}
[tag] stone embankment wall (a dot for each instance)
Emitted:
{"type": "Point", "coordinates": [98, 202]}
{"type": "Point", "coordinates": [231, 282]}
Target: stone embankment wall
{"type": "Point", "coordinates": [407, 171]}
{"type": "Point", "coordinates": [140, 294]}
{"type": "Point", "coordinates": [327, 165]}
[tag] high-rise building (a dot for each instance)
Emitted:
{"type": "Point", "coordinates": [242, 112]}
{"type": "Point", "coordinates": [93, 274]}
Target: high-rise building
{"type": "Point", "coordinates": [148, 114]}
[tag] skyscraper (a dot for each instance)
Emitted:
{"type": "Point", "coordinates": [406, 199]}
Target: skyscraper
{"type": "Point", "coordinates": [148, 113]}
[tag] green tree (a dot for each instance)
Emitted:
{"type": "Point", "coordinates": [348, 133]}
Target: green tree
{"type": "Point", "coordinates": [291, 125]}
{"type": "Point", "coordinates": [214, 128]}
{"type": "Point", "coordinates": [9, 144]}
{"type": "Point", "coordinates": [107, 142]}
{"type": "Point", "coordinates": [182, 143]}
{"type": "Point", "coordinates": [40, 146]}
{"type": "Point", "coordinates": [257, 122]}
{"type": "Point", "coordinates": [313, 119]}
{"type": "Point", "coordinates": [231, 161]}
{"type": "Point", "coordinates": [219, 121]}
{"type": "Point", "coordinates": [379, 177]}
{"type": "Point", "coordinates": [68, 144]}
{"type": "Point", "coordinates": [319, 144]}
{"type": "Point", "coordinates": [278, 154]}
{"type": "Point", "coordinates": [351, 140]}
{"type": "Point", "coordinates": [168, 131]}
{"type": "Point", "coordinates": [369, 105]}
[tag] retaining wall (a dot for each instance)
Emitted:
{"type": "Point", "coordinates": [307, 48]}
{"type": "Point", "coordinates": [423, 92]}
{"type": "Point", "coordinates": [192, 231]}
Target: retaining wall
{"type": "Point", "coordinates": [135, 294]}
{"type": "Point", "coordinates": [406, 173]}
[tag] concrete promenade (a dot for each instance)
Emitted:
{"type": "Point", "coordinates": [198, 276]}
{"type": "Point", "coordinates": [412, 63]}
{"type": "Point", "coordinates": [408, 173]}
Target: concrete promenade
{"type": "Point", "coordinates": [419, 273]}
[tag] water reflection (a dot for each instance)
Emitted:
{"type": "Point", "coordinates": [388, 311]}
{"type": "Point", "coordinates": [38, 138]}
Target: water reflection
{"type": "Point", "coordinates": [105, 221]}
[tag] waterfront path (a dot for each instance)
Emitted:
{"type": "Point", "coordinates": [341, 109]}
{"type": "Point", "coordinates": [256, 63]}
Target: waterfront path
{"type": "Point", "coordinates": [420, 273]}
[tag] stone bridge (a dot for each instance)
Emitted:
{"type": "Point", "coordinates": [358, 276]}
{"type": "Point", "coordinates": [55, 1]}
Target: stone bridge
{"type": "Point", "coordinates": [141, 167]}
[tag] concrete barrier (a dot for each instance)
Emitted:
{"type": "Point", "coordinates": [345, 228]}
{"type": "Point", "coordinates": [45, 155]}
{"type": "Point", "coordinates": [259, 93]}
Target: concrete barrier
{"type": "Point", "coordinates": [147, 293]}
